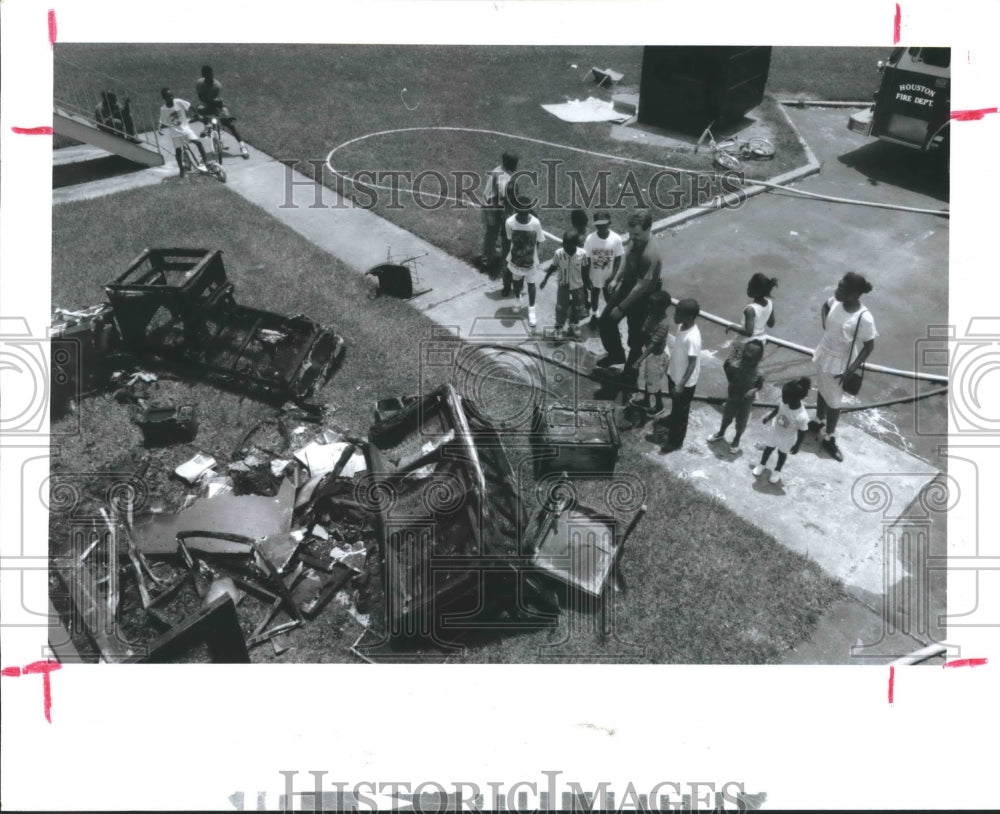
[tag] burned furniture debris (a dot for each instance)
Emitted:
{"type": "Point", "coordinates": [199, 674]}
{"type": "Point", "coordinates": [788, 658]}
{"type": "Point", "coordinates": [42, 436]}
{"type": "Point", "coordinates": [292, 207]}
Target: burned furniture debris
{"type": "Point", "coordinates": [579, 437]}
{"type": "Point", "coordinates": [215, 626]}
{"type": "Point", "coordinates": [82, 345]}
{"type": "Point", "coordinates": [164, 423]}
{"type": "Point", "coordinates": [580, 548]}
{"type": "Point", "coordinates": [449, 520]}
{"type": "Point", "coordinates": [176, 305]}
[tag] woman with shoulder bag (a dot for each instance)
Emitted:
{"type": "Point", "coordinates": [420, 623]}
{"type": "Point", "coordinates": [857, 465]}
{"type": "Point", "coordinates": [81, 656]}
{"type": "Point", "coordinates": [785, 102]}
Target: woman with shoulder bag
{"type": "Point", "coordinates": [848, 340]}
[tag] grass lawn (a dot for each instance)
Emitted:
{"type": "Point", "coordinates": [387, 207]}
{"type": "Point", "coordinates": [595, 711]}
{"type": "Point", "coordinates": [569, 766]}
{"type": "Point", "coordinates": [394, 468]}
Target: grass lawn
{"type": "Point", "coordinates": [704, 585]}
{"type": "Point", "coordinates": [302, 102]}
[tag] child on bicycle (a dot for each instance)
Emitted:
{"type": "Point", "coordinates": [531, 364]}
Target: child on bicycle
{"type": "Point", "coordinates": [570, 264]}
{"type": "Point", "coordinates": [655, 357]}
{"type": "Point", "coordinates": [209, 90]}
{"type": "Point", "coordinates": [744, 383]}
{"type": "Point", "coordinates": [789, 422]}
{"type": "Point", "coordinates": [174, 116]}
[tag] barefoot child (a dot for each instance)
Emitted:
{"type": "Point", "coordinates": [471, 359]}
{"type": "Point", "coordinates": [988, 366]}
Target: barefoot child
{"type": "Point", "coordinates": [570, 266]}
{"type": "Point", "coordinates": [744, 382]}
{"type": "Point", "coordinates": [788, 427]}
{"type": "Point", "coordinates": [652, 363]}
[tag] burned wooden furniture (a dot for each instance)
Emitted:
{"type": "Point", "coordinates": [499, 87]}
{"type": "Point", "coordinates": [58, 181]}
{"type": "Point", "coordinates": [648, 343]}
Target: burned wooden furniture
{"type": "Point", "coordinates": [448, 517]}
{"type": "Point", "coordinates": [176, 306]}
{"type": "Point", "coordinates": [215, 626]}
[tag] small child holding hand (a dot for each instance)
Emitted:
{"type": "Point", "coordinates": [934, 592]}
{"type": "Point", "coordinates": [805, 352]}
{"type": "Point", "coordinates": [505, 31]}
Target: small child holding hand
{"type": "Point", "coordinates": [652, 363]}
{"type": "Point", "coordinates": [788, 428]}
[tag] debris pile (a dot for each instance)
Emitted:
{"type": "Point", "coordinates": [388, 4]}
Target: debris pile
{"type": "Point", "coordinates": [417, 532]}
{"type": "Point", "coordinates": [278, 546]}
{"type": "Point", "coordinates": [174, 309]}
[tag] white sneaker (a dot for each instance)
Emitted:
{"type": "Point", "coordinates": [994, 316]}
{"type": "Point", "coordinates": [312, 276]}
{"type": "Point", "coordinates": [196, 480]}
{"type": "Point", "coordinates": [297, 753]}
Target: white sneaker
{"type": "Point", "coordinates": [532, 319]}
{"type": "Point", "coordinates": [517, 304]}
{"type": "Point", "coordinates": [775, 477]}
{"type": "Point", "coordinates": [734, 449]}
{"type": "Point", "coordinates": [201, 168]}
{"type": "Point", "coordinates": [244, 151]}
{"type": "Point", "coordinates": [757, 470]}
{"type": "Point", "coordinates": [716, 437]}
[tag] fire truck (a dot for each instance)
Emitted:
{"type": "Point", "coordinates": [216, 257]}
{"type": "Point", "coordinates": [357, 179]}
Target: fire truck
{"type": "Point", "coordinates": [912, 106]}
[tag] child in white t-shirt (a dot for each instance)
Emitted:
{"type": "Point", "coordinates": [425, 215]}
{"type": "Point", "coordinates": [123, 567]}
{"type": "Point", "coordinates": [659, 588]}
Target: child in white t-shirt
{"type": "Point", "coordinates": [605, 251]}
{"type": "Point", "coordinates": [524, 233]}
{"type": "Point", "coordinates": [789, 422]}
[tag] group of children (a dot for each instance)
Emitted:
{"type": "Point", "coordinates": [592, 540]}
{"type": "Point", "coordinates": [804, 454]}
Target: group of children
{"type": "Point", "coordinates": [661, 370]}
{"type": "Point", "coordinates": [584, 267]}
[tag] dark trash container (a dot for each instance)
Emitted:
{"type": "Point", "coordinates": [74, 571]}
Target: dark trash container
{"type": "Point", "coordinates": [686, 88]}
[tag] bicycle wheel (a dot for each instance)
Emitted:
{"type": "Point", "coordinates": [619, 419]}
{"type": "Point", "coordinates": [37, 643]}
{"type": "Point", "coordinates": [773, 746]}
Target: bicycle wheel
{"type": "Point", "coordinates": [186, 161]}
{"type": "Point", "coordinates": [727, 161]}
{"type": "Point", "coordinates": [758, 148]}
{"type": "Point", "coordinates": [217, 143]}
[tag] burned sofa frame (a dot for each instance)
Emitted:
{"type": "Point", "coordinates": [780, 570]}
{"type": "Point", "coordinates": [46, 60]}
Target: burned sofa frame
{"type": "Point", "coordinates": [176, 306]}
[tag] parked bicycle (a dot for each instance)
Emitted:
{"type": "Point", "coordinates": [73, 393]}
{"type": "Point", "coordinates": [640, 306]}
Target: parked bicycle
{"type": "Point", "coordinates": [727, 153]}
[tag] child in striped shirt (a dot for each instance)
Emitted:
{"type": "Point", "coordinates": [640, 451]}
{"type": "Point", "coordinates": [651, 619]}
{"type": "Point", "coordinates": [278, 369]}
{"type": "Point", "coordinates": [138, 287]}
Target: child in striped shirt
{"type": "Point", "coordinates": [570, 265]}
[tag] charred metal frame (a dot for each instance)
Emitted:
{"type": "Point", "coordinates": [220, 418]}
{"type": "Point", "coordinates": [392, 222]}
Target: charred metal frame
{"type": "Point", "coordinates": [177, 305]}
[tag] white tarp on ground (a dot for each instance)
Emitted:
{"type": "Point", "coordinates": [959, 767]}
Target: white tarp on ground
{"type": "Point", "coordinates": [589, 110]}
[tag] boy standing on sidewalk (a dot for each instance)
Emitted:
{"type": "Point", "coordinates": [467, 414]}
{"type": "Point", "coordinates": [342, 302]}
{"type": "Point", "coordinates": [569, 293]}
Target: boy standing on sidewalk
{"type": "Point", "coordinates": [570, 265]}
{"type": "Point", "coordinates": [682, 372]}
{"type": "Point", "coordinates": [524, 233]}
{"type": "Point", "coordinates": [605, 251]}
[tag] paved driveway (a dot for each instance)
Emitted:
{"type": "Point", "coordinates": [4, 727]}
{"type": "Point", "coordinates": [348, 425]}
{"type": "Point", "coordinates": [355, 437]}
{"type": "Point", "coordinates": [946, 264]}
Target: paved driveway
{"type": "Point", "coordinates": [809, 244]}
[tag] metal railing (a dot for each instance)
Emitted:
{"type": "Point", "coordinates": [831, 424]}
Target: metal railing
{"type": "Point", "coordinates": [78, 91]}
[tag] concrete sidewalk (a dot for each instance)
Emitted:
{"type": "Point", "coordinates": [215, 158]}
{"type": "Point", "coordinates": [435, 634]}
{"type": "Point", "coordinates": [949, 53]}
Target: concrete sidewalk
{"type": "Point", "coordinates": [825, 510]}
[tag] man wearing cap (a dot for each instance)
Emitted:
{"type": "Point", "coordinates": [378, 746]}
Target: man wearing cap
{"type": "Point", "coordinates": [640, 277]}
{"type": "Point", "coordinates": [605, 251]}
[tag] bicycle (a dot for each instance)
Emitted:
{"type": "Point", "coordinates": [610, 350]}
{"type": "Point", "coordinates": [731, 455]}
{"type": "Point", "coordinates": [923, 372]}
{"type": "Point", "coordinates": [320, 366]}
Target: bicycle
{"type": "Point", "coordinates": [212, 125]}
{"type": "Point", "coordinates": [725, 152]}
{"type": "Point", "coordinates": [212, 129]}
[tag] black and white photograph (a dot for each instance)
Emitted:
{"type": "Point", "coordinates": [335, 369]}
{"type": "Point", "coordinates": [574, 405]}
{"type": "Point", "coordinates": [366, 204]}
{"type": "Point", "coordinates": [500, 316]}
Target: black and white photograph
{"type": "Point", "coordinates": [568, 390]}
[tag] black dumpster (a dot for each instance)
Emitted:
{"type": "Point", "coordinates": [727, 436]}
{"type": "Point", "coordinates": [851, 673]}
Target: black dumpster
{"type": "Point", "coordinates": [687, 88]}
